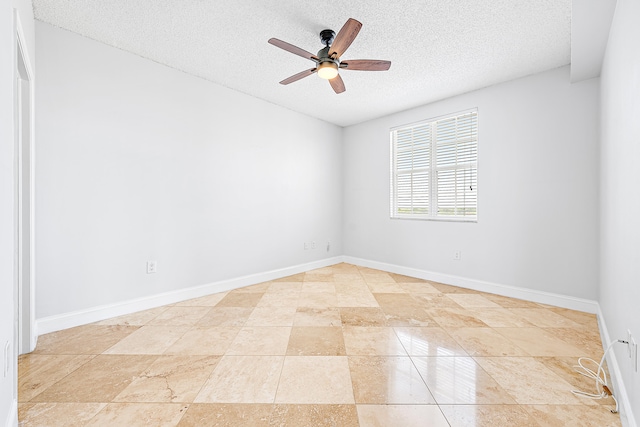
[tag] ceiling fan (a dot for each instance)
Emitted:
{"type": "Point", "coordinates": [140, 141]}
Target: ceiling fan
{"type": "Point", "coordinates": [328, 58]}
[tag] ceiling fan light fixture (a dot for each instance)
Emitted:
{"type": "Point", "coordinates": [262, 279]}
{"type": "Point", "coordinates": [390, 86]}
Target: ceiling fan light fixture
{"type": "Point", "coordinates": [327, 70]}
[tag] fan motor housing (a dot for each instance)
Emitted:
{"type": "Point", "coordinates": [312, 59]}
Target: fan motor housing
{"type": "Point", "coordinates": [323, 56]}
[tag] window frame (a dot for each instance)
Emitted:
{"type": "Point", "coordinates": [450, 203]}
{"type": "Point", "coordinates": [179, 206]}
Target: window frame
{"type": "Point", "coordinates": [433, 169]}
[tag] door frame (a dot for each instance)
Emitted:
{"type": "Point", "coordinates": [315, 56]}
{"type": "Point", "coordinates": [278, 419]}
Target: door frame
{"type": "Point", "coordinates": [25, 288]}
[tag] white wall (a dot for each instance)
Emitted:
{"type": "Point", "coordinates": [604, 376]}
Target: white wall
{"type": "Point", "coordinates": [620, 192]}
{"type": "Point", "coordinates": [538, 190]}
{"type": "Point", "coordinates": [8, 392]}
{"type": "Point", "coordinates": [137, 162]}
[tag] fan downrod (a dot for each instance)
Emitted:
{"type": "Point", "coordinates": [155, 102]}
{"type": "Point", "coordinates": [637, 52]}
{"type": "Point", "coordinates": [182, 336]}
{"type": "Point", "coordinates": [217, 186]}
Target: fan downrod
{"type": "Point", "coordinates": [327, 36]}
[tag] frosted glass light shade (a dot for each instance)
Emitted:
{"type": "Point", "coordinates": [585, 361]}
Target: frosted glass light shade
{"type": "Point", "coordinates": [327, 70]}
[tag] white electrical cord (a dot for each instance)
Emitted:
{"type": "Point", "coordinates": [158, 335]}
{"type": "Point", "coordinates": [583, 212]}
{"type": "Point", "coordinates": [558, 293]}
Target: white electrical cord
{"type": "Point", "coordinates": [603, 388]}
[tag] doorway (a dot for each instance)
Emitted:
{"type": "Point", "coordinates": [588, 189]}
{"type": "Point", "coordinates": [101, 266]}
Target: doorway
{"type": "Point", "coordinates": [24, 195]}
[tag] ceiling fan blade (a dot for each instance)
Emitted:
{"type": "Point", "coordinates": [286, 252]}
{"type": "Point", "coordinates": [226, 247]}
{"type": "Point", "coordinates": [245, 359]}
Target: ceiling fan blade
{"type": "Point", "coordinates": [300, 75]}
{"type": "Point", "coordinates": [337, 84]}
{"type": "Point", "coordinates": [293, 49]}
{"type": "Point", "coordinates": [345, 37]}
{"type": "Point", "coordinates": [366, 65]}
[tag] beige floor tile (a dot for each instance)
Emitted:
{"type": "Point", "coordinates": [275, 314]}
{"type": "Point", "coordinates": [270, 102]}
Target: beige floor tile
{"type": "Point", "coordinates": [460, 380]}
{"type": "Point", "coordinates": [180, 316]}
{"type": "Point", "coordinates": [544, 318]}
{"type": "Point", "coordinates": [385, 287]}
{"type": "Point", "coordinates": [393, 300]}
{"type": "Point", "coordinates": [99, 380]}
{"type": "Point", "coordinates": [314, 416]}
{"type": "Point", "coordinates": [573, 416]}
{"type": "Point", "coordinates": [37, 372]}
{"type": "Point", "coordinates": [170, 379]}
{"type": "Point", "coordinates": [226, 316]}
{"type": "Point", "coordinates": [318, 299]}
{"type": "Point", "coordinates": [258, 288]}
{"type": "Point", "coordinates": [148, 340]}
{"type": "Point", "coordinates": [318, 287]}
{"type": "Point", "coordinates": [313, 277]}
{"type": "Point", "coordinates": [360, 299]}
{"type": "Point", "coordinates": [436, 300]}
{"type": "Point", "coordinates": [316, 341]}
{"type": "Point", "coordinates": [487, 416]}
{"type": "Point", "coordinates": [204, 340]}
{"type": "Point", "coordinates": [485, 342]}
{"type": "Point", "coordinates": [449, 289]}
{"type": "Point", "coordinates": [472, 301]}
{"type": "Point", "coordinates": [343, 277]}
{"type": "Point", "coordinates": [428, 341]}
{"type": "Point", "coordinates": [321, 271]}
{"type": "Point", "coordinates": [205, 301]}
{"type": "Point", "coordinates": [139, 318]}
{"type": "Point", "coordinates": [344, 268]}
{"type": "Point", "coordinates": [227, 415]}
{"type": "Point", "coordinates": [564, 368]}
{"type": "Point", "coordinates": [528, 381]}
{"type": "Point", "coordinates": [539, 342]}
{"type": "Point", "coordinates": [399, 278]}
{"type": "Point", "coordinates": [309, 316]}
{"type": "Point", "coordinates": [401, 415]}
{"type": "Point", "coordinates": [507, 302]}
{"type": "Point", "coordinates": [419, 287]}
{"type": "Point", "coordinates": [499, 318]}
{"type": "Point", "coordinates": [362, 316]}
{"type": "Point", "coordinates": [142, 414]}
{"type": "Point", "coordinates": [357, 285]}
{"type": "Point", "coordinates": [53, 414]}
{"type": "Point", "coordinates": [387, 380]}
{"type": "Point", "coordinates": [88, 339]}
{"type": "Point", "coordinates": [280, 299]}
{"type": "Point", "coordinates": [272, 316]}
{"type": "Point", "coordinates": [240, 300]}
{"type": "Point", "coordinates": [372, 341]}
{"type": "Point", "coordinates": [408, 315]}
{"type": "Point", "coordinates": [258, 340]}
{"type": "Point", "coordinates": [455, 318]}
{"type": "Point", "coordinates": [284, 287]}
{"type": "Point", "coordinates": [585, 319]}
{"type": "Point", "coordinates": [293, 278]}
{"type": "Point", "coordinates": [377, 277]}
{"type": "Point", "coordinates": [587, 340]}
{"type": "Point", "coordinates": [242, 379]}
{"type": "Point", "coordinates": [315, 379]}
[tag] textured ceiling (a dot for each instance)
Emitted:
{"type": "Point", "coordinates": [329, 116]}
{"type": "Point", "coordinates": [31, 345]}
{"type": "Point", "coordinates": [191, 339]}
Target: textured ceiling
{"type": "Point", "coordinates": [438, 48]}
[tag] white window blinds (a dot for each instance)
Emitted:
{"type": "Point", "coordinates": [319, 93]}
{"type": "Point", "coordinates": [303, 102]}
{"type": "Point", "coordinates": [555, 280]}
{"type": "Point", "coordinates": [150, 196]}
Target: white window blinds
{"type": "Point", "coordinates": [434, 169]}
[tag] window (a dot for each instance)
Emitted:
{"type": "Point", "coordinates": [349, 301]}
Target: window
{"type": "Point", "coordinates": [434, 168]}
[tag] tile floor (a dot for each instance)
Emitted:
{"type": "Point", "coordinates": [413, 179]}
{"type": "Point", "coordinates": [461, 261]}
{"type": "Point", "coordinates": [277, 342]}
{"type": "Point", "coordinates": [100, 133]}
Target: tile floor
{"type": "Point", "coordinates": [339, 346]}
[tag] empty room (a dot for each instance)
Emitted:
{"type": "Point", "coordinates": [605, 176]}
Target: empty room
{"type": "Point", "coordinates": [410, 213]}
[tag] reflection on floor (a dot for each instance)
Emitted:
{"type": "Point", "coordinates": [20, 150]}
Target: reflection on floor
{"type": "Point", "coordinates": [339, 346]}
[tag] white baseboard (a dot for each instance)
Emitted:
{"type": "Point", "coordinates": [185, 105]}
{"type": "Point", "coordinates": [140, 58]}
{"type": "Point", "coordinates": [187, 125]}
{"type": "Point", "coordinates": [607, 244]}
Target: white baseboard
{"type": "Point", "coordinates": [96, 314]}
{"type": "Point", "coordinates": [619, 389]}
{"type": "Point", "coordinates": [542, 297]}
{"type": "Point", "coordinates": [12, 416]}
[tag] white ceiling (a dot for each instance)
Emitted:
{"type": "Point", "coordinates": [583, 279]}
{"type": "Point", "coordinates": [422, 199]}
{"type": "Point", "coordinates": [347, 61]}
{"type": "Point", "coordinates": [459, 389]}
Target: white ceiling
{"type": "Point", "coordinates": [438, 48]}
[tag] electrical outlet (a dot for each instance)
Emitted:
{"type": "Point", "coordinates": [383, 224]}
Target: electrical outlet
{"type": "Point", "coordinates": [457, 255]}
{"type": "Point", "coordinates": [152, 267]}
{"type": "Point", "coordinates": [328, 246]}
{"type": "Point", "coordinates": [313, 245]}
{"type": "Point", "coordinates": [306, 246]}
